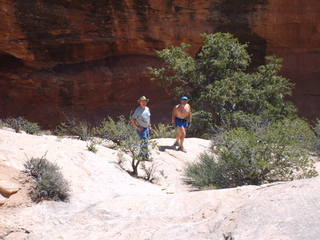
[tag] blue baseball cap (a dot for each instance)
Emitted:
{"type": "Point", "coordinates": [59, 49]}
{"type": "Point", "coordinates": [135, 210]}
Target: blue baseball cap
{"type": "Point", "coordinates": [184, 98]}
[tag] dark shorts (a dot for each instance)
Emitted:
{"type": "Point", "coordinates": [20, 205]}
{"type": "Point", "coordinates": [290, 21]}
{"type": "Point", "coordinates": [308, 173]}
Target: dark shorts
{"type": "Point", "coordinates": [182, 122]}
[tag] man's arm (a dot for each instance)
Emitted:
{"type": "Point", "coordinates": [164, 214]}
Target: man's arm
{"type": "Point", "coordinates": [135, 124]}
{"type": "Point", "coordinates": [190, 115]}
{"type": "Point", "coordinates": [150, 126]}
{"type": "Point", "coordinates": [174, 114]}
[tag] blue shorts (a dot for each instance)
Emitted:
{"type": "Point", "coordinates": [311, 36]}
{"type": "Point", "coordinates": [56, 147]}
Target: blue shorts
{"type": "Point", "coordinates": [180, 123]}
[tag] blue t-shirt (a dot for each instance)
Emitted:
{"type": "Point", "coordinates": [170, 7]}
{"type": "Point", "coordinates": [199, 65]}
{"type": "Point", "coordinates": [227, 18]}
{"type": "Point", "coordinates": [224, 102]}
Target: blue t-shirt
{"type": "Point", "coordinates": [142, 117]}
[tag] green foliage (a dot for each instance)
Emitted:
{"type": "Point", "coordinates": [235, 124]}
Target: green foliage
{"type": "Point", "coordinates": [242, 97]}
{"type": "Point", "coordinates": [260, 138]}
{"type": "Point", "coordinates": [201, 125]}
{"type": "Point", "coordinates": [163, 131]}
{"type": "Point", "coordinates": [316, 130]}
{"type": "Point", "coordinates": [220, 56]}
{"type": "Point", "coordinates": [123, 133]}
{"type": "Point", "coordinates": [72, 127]}
{"type": "Point", "coordinates": [21, 124]}
{"type": "Point", "coordinates": [83, 130]}
{"type": "Point", "coordinates": [64, 129]}
{"type": "Point", "coordinates": [217, 82]}
{"type": "Point", "coordinates": [117, 131]}
{"type": "Point", "coordinates": [49, 184]}
{"type": "Point", "coordinates": [280, 152]}
{"type": "Point", "coordinates": [92, 146]}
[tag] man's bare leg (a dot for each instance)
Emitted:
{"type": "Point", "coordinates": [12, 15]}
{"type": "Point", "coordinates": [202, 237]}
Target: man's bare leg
{"type": "Point", "coordinates": [182, 135]}
{"type": "Point", "coordinates": [177, 138]}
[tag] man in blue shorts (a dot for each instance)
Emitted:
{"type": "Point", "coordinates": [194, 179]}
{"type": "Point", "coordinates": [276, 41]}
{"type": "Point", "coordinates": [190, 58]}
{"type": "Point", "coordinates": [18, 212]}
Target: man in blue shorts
{"type": "Point", "coordinates": [182, 118]}
{"type": "Point", "coordinates": [141, 121]}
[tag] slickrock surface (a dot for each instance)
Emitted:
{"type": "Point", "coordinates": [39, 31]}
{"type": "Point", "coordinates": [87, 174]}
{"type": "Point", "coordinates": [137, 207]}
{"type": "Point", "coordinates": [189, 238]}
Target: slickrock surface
{"type": "Point", "coordinates": [107, 203]}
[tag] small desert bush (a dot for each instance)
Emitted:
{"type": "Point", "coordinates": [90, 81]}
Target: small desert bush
{"type": "Point", "coordinates": [49, 182]}
{"type": "Point", "coordinates": [72, 127]}
{"type": "Point", "coordinates": [163, 131]}
{"type": "Point", "coordinates": [64, 129]}
{"type": "Point", "coordinates": [83, 130]}
{"type": "Point", "coordinates": [241, 157]}
{"type": "Point", "coordinates": [2, 124]}
{"type": "Point", "coordinates": [92, 146]}
{"type": "Point", "coordinates": [21, 124]}
{"type": "Point", "coordinates": [124, 134]}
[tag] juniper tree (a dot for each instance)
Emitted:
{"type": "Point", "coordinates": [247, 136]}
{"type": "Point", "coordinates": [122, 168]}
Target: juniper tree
{"type": "Point", "coordinates": [224, 94]}
{"type": "Point", "coordinates": [245, 109]}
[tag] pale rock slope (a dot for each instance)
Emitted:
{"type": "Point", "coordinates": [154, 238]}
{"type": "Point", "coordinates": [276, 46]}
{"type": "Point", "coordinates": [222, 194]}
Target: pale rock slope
{"type": "Point", "coordinates": [107, 203]}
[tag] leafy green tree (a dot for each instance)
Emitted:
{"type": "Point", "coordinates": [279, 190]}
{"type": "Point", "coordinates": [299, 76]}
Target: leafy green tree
{"type": "Point", "coordinates": [258, 136]}
{"type": "Point", "coordinates": [218, 83]}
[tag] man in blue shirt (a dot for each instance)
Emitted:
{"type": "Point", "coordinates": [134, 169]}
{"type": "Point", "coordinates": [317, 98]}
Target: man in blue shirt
{"type": "Point", "coordinates": [141, 121]}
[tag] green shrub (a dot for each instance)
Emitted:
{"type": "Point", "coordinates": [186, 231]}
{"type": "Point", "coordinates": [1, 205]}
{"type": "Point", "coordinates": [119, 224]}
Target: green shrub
{"type": "Point", "coordinates": [49, 182]}
{"type": "Point", "coordinates": [92, 146]}
{"type": "Point", "coordinates": [64, 129]}
{"type": "Point", "coordinates": [202, 126]}
{"type": "Point", "coordinates": [124, 134]}
{"type": "Point", "coordinates": [72, 127]}
{"type": "Point", "coordinates": [316, 130]}
{"type": "Point", "coordinates": [21, 124]}
{"type": "Point", "coordinates": [116, 131]}
{"type": "Point", "coordinates": [83, 130]}
{"type": "Point", "coordinates": [163, 131]}
{"type": "Point", "coordinates": [279, 153]}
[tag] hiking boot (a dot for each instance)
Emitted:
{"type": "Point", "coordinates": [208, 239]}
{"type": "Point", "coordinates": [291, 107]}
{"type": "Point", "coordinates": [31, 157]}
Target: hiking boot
{"type": "Point", "coordinates": [176, 144]}
{"type": "Point", "coordinates": [182, 149]}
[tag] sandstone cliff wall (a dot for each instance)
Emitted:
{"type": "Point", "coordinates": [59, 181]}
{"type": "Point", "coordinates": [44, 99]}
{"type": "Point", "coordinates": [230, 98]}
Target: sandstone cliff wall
{"type": "Point", "coordinates": [88, 58]}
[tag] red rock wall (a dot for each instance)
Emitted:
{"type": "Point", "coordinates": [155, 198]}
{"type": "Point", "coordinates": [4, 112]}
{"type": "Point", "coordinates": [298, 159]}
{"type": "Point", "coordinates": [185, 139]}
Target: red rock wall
{"type": "Point", "coordinates": [88, 58]}
{"type": "Point", "coordinates": [292, 32]}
